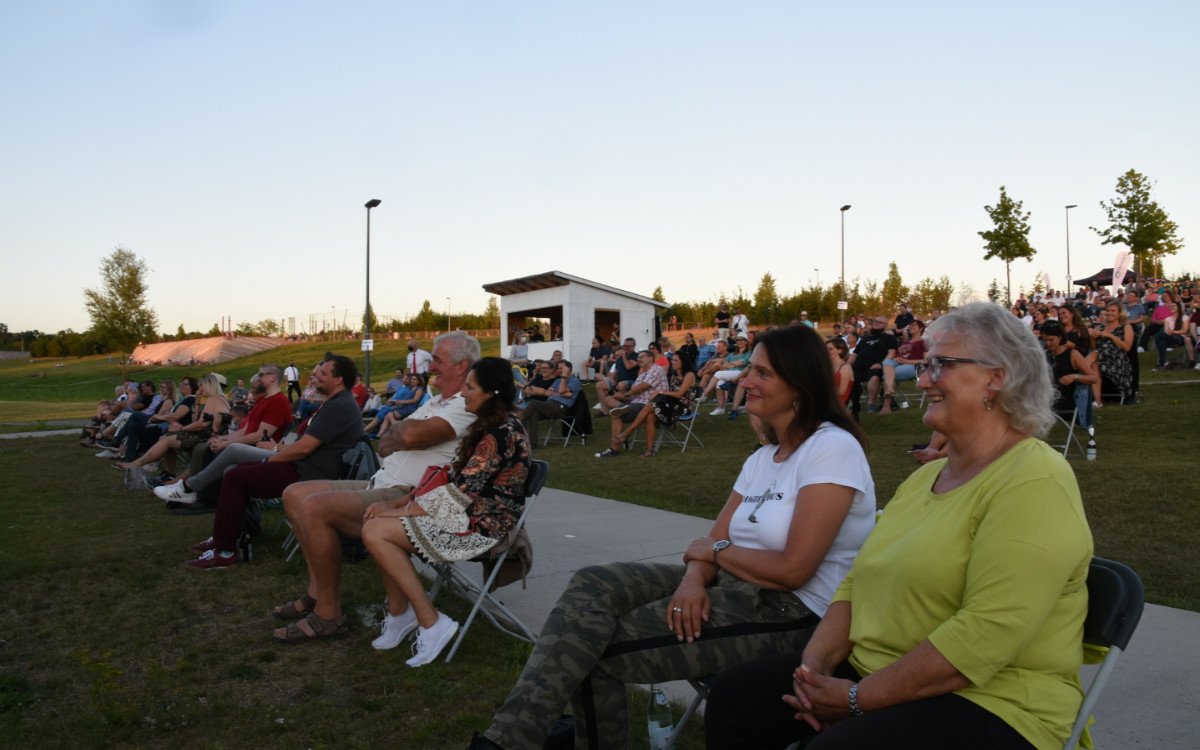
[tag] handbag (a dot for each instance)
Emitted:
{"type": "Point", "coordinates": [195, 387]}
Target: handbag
{"type": "Point", "coordinates": [434, 477]}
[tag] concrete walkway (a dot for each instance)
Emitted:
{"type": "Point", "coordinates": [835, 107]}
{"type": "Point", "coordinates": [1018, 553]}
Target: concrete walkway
{"type": "Point", "coordinates": [1151, 702]}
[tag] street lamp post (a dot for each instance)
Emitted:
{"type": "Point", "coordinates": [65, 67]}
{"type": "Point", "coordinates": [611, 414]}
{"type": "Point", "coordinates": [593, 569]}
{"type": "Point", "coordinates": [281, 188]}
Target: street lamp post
{"type": "Point", "coordinates": [367, 315]}
{"type": "Point", "coordinates": [1067, 212]}
{"type": "Point", "coordinates": [844, 302]}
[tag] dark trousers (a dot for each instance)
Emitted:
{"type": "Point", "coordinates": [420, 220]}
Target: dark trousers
{"type": "Point", "coordinates": [745, 710]}
{"type": "Point", "coordinates": [293, 384]}
{"type": "Point", "coordinates": [242, 482]}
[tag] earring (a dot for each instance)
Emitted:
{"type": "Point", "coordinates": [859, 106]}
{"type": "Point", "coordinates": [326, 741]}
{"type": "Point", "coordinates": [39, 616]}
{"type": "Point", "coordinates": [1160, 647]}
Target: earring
{"type": "Point", "coordinates": [987, 403]}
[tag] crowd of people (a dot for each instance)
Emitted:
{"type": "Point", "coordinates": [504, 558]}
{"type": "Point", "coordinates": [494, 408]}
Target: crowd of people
{"type": "Point", "coordinates": [800, 589]}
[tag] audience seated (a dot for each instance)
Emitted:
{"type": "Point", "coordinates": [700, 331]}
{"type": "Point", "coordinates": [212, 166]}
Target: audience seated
{"type": "Point", "coordinates": [321, 510]}
{"type": "Point", "coordinates": [624, 406]}
{"type": "Point", "coordinates": [554, 402]}
{"type": "Point", "coordinates": [867, 362]}
{"type": "Point", "coordinates": [212, 452]}
{"type": "Point", "coordinates": [317, 455]}
{"type": "Point", "coordinates": [624, 371]}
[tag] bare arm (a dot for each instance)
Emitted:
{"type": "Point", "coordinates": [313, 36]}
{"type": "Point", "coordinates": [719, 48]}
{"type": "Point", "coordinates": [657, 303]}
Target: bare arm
{"type": "Point", "coordinates": [414, 435]}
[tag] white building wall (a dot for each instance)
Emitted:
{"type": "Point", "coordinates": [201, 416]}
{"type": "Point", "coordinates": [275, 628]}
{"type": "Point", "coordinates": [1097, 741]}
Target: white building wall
{"type": "Point", "coordinates": [579, 303]}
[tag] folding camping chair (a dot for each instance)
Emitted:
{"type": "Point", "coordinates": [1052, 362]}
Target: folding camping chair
{"type": "Point", "coordinates": [485, 602]}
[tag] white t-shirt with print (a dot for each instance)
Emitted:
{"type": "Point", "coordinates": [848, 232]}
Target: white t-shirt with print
{"type": "Point", "coordinates": [769, 489]}
{"type": "Point", "coordinates": [405, 468]}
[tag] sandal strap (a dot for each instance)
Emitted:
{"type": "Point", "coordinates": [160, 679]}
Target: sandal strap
{"type": "Point", "coordinates": [320, 627]}
{"type": "Point", "coordinates": [289, 611]}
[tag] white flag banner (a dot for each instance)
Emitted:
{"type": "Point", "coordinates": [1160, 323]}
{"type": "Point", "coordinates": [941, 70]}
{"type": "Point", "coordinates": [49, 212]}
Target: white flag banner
{"type": "Point", "coordinates": [1121, 266]}
{"type": "Point", "coordinates": [1046, 281]}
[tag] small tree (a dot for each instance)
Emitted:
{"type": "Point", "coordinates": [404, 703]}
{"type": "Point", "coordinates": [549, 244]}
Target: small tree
{"type": "Point", "coordinates": [1138, 222]}
{"type": "Point", "coordinates": [120, 315]}
{"type": "Point", "coordinates": [993, 292]}
{"type": "Point", "coordinates": [1009, 239]}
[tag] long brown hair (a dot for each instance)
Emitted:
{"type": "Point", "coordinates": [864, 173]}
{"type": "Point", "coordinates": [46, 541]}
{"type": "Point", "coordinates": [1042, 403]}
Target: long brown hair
{"type": "Point", "coordinates": [797, 355]}
{"type": "Point", "coordinates": [492, 374]}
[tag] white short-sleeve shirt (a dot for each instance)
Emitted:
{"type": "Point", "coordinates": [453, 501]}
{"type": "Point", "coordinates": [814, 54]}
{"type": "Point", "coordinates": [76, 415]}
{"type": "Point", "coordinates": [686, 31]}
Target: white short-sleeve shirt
{"type": "Point", "coordinates": [769, 489]}
{"type": "Point", "coordinates": [405, 468]}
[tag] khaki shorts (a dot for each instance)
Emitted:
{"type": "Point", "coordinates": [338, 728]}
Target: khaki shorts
{"type": "Point", "coordinates": [369, 496]}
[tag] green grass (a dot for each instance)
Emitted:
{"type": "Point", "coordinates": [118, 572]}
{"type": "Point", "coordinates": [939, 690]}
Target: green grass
{"type": "Point", "coordinates": [107, 641]}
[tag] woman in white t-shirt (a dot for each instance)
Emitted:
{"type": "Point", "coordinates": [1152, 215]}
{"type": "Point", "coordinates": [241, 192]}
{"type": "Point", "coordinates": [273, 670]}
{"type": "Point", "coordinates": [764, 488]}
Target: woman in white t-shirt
{"type": "Point", "coordinates": [760, 580]}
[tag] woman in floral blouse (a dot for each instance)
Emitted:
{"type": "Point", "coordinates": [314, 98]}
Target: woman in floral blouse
{"type": "Point", "coordinates": [458, 521]}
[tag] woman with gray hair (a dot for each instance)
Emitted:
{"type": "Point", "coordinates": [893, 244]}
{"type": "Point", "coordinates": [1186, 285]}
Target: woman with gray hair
{"type": "Point", "coordinates": [960, 623]}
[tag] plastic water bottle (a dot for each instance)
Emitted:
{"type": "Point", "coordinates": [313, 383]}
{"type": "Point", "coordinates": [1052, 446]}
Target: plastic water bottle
{"type": "Point", "coordinates": [1091, 445]}
{"type": "Point", "coordinates": [659, 722]}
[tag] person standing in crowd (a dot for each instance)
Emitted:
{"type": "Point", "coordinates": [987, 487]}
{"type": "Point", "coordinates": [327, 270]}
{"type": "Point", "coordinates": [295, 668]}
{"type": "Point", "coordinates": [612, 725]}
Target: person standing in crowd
{"type": "Point", "coordinates": [418, 359]}
{"type": "Point", "coordinates": [292, 376]}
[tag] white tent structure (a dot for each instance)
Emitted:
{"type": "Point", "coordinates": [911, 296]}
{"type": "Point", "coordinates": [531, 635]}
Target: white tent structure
{"type": "Point", "coordinates": [583, 308]}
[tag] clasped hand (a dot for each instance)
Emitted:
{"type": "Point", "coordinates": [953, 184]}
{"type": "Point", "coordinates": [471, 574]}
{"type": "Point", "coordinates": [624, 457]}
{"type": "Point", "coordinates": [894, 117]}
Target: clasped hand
{"type": "Point", "coordinates": [819, 699]}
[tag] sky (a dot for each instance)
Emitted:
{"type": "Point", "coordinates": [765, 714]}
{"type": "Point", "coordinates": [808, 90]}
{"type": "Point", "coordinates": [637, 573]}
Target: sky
{"type": "Point", "coordinates": [694, 145]}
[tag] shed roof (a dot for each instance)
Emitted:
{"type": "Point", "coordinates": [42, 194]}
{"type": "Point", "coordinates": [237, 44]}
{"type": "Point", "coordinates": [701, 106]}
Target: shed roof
{"type": "Point", "coordinates": [551, 279]}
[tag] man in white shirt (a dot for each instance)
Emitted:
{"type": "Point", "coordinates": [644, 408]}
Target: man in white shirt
{"type": "Point", "coordinates": [741, 324]}
{"type": "Point", "coordinates": [418, 359]}
{"type": "Point", "coordinates": [321, 510]}
{"type": "Point", "coordinates": [292, 376]}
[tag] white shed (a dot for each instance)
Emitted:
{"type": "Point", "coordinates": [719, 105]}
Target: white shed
{"type": "Point", "coordinates": [583, 308]}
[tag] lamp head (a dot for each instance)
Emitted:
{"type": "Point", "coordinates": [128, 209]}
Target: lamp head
{"type": "Point", "coordinates": [373, 203]}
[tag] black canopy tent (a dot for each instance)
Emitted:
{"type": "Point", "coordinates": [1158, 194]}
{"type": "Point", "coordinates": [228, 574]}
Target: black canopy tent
{"type": "Point", "coordinates": [1105, 277]}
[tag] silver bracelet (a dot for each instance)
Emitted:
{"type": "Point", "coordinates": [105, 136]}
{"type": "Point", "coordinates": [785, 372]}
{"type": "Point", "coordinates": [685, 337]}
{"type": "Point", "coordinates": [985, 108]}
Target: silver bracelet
{"type": "Point", "coordinates": [854, 709]}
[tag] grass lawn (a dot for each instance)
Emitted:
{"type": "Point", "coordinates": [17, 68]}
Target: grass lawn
{"type": "Point", "coordinates": [109, 642]}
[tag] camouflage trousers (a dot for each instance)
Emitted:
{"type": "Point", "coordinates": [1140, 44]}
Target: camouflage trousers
{"type": "Point", "coordinates": [609, 628]}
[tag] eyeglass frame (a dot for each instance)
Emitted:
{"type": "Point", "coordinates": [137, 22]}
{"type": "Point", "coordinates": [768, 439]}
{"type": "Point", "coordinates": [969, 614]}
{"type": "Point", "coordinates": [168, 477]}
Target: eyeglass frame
{"type": "Point", "coordinates": [937, 362]}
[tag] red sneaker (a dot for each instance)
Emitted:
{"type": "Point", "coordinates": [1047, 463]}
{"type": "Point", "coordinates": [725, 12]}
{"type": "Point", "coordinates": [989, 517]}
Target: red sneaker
{"type": "Point", "coordinates": [204, 546]}
{"type": "Point", "coordinates": [212, 559]}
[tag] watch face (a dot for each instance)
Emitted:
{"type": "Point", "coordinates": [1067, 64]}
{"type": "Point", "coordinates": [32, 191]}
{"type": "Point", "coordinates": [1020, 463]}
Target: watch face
{"type": "Point", "coordinates": [721, 545]}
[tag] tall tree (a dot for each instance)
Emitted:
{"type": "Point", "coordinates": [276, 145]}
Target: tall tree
{"type": "Point", "coordinates": [374, 320]}
{"type": "Point", "coordinates": [657, 294]}
{"type": "Point", "coordinates": [1137, 221]}
{"type": "Point", "coordinates": [120, 315]}
{"type": "Point", "coordinates": [766, 301]}
{"type": "Point", "coordinates": [894, 290]}
{"type": "Point", "coordinates": [491, 313]}
{"type": "Point", "coordinates": [1009, 239]}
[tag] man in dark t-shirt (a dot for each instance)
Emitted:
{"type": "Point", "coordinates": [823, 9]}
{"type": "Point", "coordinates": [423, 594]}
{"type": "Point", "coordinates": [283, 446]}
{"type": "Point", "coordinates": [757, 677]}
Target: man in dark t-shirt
{"type": "Point", "coordinates": [333, 430]}
{"type": "Point", "coordinates": [867, 362]}
{"type": "Point", "coordinates": [723, 321]}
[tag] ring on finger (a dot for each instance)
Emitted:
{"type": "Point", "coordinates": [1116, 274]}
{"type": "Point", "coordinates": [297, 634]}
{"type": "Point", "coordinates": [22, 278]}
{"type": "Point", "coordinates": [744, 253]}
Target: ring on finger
{"type": "Point", "coordinates": [677, 609]}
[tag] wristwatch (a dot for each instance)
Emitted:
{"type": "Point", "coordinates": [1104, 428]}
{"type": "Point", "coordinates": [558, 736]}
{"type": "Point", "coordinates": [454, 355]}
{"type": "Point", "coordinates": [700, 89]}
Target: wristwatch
{"type": "Point", "coordinates": [718, 547]}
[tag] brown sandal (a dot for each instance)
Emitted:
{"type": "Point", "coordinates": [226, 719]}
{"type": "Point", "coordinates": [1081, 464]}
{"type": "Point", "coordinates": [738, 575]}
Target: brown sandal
{"type": "Point", "coordinates": [319, 629]}
{"type": "Point", "coordinates": [290, 611]}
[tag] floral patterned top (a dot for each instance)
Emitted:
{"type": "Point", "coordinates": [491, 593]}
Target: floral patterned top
{"type": "Point", "coordinates": [494, 478]}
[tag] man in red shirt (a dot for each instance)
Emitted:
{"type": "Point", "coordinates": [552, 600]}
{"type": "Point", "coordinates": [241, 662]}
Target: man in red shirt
{"type": "Point", "coordinates": [269, 419]}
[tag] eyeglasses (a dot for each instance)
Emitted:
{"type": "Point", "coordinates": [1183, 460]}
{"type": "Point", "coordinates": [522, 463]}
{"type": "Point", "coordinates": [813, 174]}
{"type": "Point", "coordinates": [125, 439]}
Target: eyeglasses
{"type": "Point", "coordinates": [937, 362]}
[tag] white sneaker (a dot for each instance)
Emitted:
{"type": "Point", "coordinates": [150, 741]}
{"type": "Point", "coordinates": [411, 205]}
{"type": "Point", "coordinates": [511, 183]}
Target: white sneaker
{"type": "Point", "coordinates": [1141, 350]}
{"type": "Point", "coordinates": [716, 412]}
{"type": "Point", "coordinates": [395, 628]}
{"type": "Point", "coordinates": [107, 453]}
{"type": "Point", "coordinates": [597, 407]}
{"type": "Point", "coordinates": [176, 493]}
{"type": "Point", "coordinates": [431, 642]}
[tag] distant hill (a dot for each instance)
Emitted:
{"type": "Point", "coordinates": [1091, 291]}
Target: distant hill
{"type": "Point", "coordinates": [210, 350]}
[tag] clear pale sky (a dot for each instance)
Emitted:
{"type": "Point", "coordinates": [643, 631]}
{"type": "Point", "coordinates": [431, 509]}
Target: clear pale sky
{"type": "Point", "coordinates": [692, 144]}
